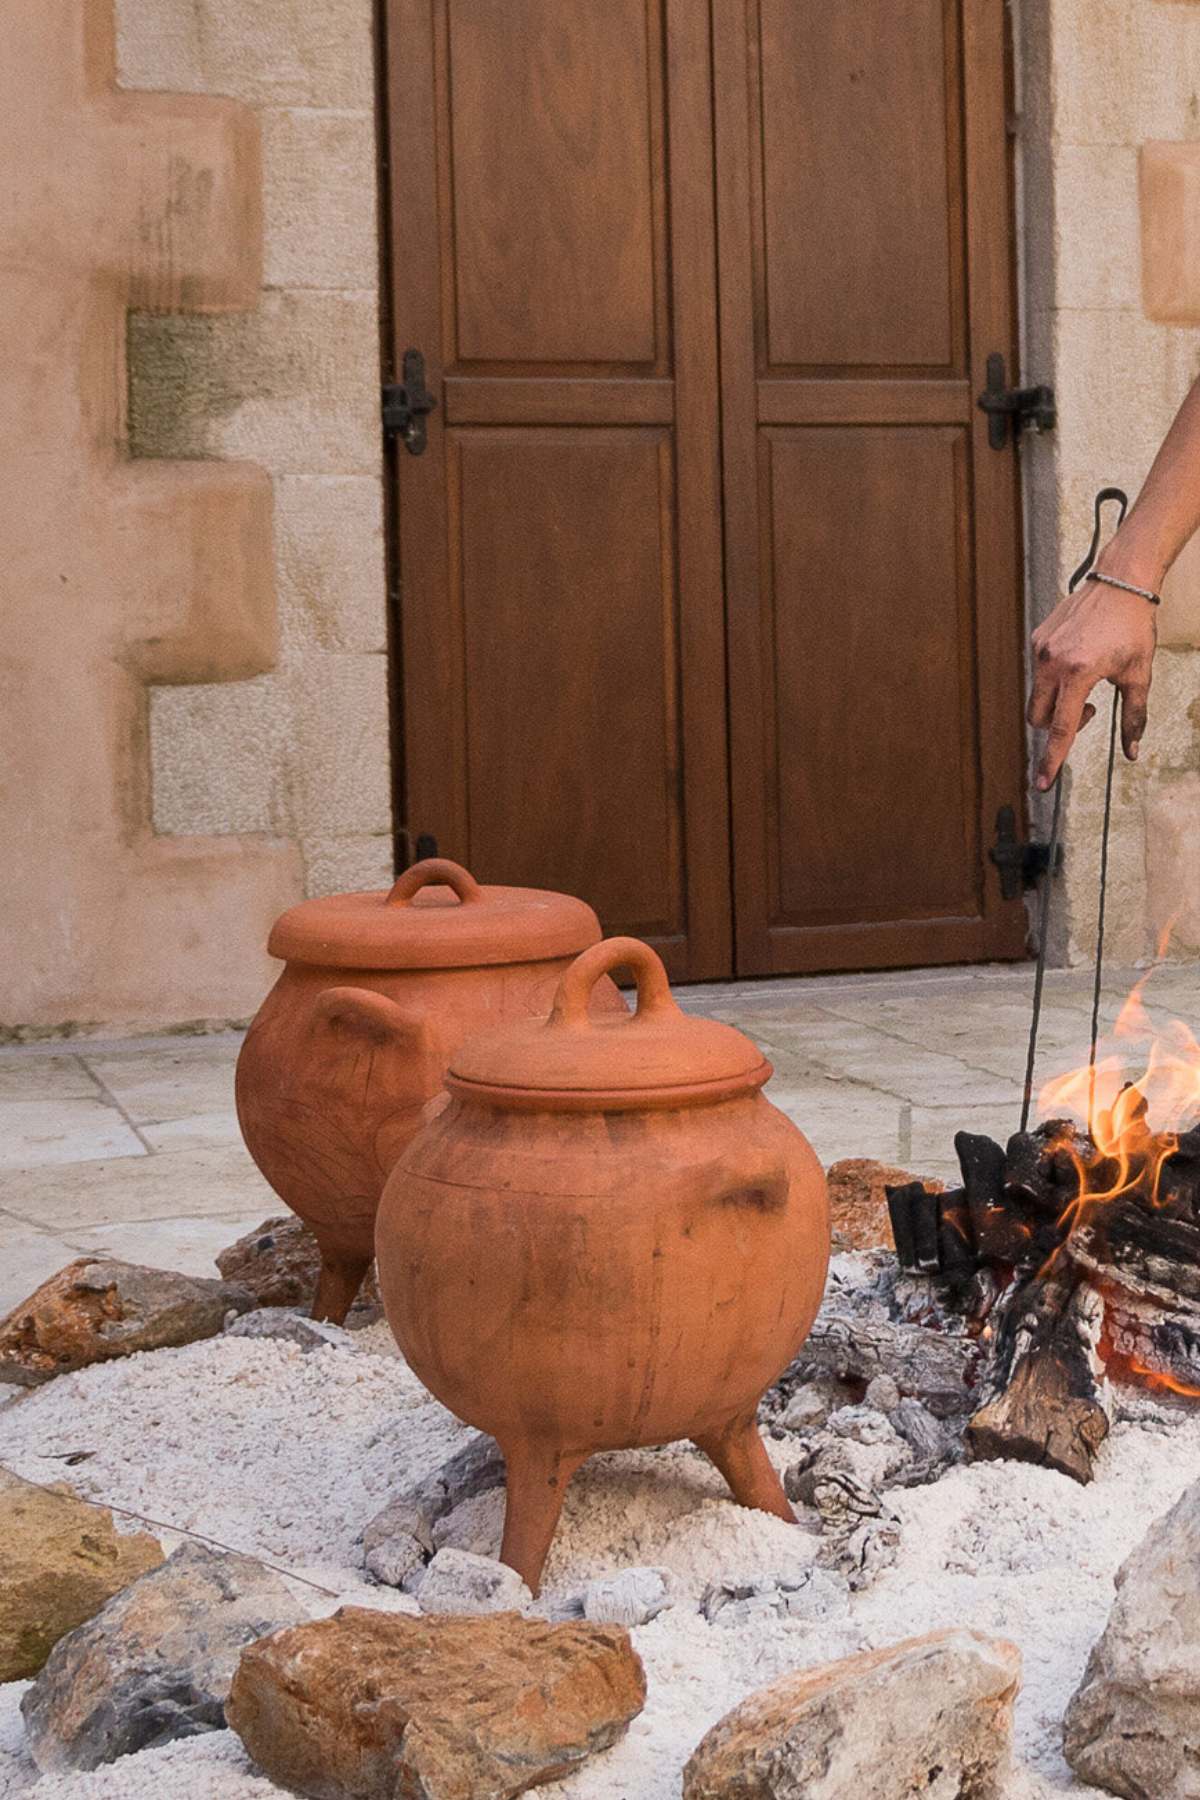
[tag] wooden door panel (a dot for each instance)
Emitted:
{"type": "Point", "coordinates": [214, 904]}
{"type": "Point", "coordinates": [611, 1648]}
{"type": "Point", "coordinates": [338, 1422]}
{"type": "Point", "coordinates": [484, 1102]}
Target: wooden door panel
{"type": "Point", "coordinates": [569, 619]}
{"type": "Point", "coordinates": [871, 571]}
{"type": "Point", "coordinates": [841, 523]}
{"type": "Point", "coordinates": [554, 227]}
{"type": "Point", "coordinates": [560, 553]}
{"type": "Point", "coordinates": [861, 222]}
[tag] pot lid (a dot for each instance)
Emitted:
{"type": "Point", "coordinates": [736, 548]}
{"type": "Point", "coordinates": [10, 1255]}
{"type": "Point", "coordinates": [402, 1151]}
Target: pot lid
{"type": "Point", "coordinates": [437, 916]}
{"type": "Point", "coordinates": [575, 1060]}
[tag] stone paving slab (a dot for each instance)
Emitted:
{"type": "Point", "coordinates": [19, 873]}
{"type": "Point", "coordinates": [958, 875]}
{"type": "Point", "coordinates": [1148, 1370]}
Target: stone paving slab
{"type": "Point", "coordinates": [130, 1146]}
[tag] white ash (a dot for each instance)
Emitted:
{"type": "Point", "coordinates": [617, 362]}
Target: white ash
{"type": "Point", "coordinates": [288, 1455]}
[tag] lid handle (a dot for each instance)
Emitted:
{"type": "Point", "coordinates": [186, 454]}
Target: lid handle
{"type": "Point", "coordinates": [435, 871]}
{"type": "Point", "coordinates": [574, 990]}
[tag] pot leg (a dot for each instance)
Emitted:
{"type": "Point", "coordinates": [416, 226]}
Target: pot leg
{"type": "Point", "coordinates": [338, 1284]}
{"type": "Point", "coordinates": [741, 1456]}
{"type": "Point", "coordinates": [537, 1477]}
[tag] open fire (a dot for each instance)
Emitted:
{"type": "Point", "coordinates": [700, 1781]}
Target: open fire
{"type": "Point", "coordinates": [1074, 1251]}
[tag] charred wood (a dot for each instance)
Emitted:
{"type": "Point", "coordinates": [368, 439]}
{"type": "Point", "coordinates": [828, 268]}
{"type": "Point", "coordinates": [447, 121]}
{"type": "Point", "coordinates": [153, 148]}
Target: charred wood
{"type": "Point", "coordinates": [1049, 1402]}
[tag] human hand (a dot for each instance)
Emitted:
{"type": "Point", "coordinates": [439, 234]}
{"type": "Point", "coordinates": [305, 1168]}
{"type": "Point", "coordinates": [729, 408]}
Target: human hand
{"type": "Point", "coordinates": [1098, 633]}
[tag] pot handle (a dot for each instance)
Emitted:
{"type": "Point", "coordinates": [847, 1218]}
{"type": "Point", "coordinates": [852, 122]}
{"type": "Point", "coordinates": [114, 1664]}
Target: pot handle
{"type": "Point", "coordinates": [574, 990]}
{"type": "Point", "coordinates": [368, 1015]}
{"type": "Point", "coordinates": [435, 871]}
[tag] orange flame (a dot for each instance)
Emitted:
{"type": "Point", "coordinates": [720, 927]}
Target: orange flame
{"type": "Point", "coordinates": [1153, 1378]}
{"type": "Point", "coordinates": [1143, 1091]}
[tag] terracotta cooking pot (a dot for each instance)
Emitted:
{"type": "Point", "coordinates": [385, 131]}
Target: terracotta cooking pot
{"type": "Point", "coordinates": [607, 1238]}
{"type": "Point", "coordinates": [333, 1078]}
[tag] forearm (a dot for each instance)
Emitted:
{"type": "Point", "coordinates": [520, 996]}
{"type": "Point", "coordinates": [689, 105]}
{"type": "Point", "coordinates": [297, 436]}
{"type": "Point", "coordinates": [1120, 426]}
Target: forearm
{"type": "Point", "coordinates": [1167, 511]}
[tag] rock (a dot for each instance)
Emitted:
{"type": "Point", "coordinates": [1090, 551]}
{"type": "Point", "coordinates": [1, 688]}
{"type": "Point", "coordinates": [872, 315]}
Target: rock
{"type": "Point", "coordinates": [399, 1540]}
{"type": "Point", "coordinates": [279, 1264]}
{"type": "Point", "coordinates": [95, 1309]}
{"type": "Point", "coordinates": [292, 1327]}
{"type": "Point", "coordinates": [60, 1561]}
{"type": "Point", "coordinates": [882, 1394]}
{"type": "Point", "coordinates": [631, 1597]}
{"type": "Point", "coordinates": [858, 1201]}
{"type": "Point", "coordinates": [809, 1407]}
{"type": "Point", "coordinates": [830, 1455]}
{"type": "Point", "coordinates": [843, 1479]}
{"type": "Point", "coordinates": [931, 1443]}
{"type": "Point", "coordinates": [931, 1716]}
{"type": "Point", "coordinates": [1133, 1726]}
{"type": "Point", "coordinates": [458, 1581]}
{"type": "Point", "coordinates": [156, 1662]}
{"type": "Point", "coordinates": [864, 1425]}
{"type": "Point", "coordinates": [813, 1594]}
{"type": "Point", "coordinates": [371, 1705]}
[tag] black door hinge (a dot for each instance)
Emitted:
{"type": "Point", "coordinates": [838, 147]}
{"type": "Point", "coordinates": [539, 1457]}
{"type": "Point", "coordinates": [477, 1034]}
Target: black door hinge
{"type": "Point", "coordinates": [1021, 861]}
{"type": "Point", "coordinates": [407, 403]}
{"type": "Point", "coordinates": [1033, 406]}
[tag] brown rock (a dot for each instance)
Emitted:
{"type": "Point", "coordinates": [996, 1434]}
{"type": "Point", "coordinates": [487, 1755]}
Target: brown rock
{"type": "Point", "coordinates": [155, 1663]}
{"type": "Point", "coordinates": [60, 1561]}
{"type": "Point", "coordinates": [93, 1310]}
{"type": "Point", "coordinates": [930, 1716]}
{"type": "Point", "coordinates": [370, 1704]}
{"type": "Point", "coordinates": [858, 1202]}
{"type": "Point", "coordinates": [280, 1263]}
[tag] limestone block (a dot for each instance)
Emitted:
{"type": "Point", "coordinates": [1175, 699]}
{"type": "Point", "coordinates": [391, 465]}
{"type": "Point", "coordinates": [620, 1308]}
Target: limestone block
{"type": "Point", "coordinates": [1172, 739]}
{"type": "Point", "coordinates": [1170, 209]}
{"type": "Point", "coordinates": [1122, 73]}
{"type": "Point", "coordinates": [319, 199]}
{"type": "Point", "coordinates": [345, 865]}
{"type": "Point", "coordinates": [276, 52]}
{"type": "Point", "coordinates": [203, 609]}
{"type": "Point", "coordinates": [219, 757]}
{"type": "Point", "coordinates": [294, 385]}
{"type": "Point", "coordinates": [199, 165]}
{"type": "Point", "coordinates": [1127, 929]}
{"type": "Point", "coordinates": [1120, 379]}
{"type": "Point", "coordinates": [1097, 268]}
{"type": "Point", "coordinates": [189, 919]}
{"type": "Point", "coordinates": [342, 783]}
{"type": "Point", "coordinates": [1173, 861]}
{"type": "Point", "coordinates": [1179, 615]}
{"type": "Point", "coordinates": [329, 540]}
{"type": "Point", "coordinates": [113, 573]}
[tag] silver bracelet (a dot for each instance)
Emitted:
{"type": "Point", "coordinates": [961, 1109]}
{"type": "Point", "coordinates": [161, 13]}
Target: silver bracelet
{"type": "Point", "coordinates": [1126, 587]}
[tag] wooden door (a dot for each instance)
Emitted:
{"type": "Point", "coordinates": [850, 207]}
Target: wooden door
{"type": "Point", "coordinates": [709, 590]}
{"type": "Point", "coordinates": [562, 623]}
{"type": "Point", "coordinates": [871, 534]}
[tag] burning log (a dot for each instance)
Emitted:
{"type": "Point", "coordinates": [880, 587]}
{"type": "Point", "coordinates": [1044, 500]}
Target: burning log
{"type": "Point", "coordinates": [1049, 1402]}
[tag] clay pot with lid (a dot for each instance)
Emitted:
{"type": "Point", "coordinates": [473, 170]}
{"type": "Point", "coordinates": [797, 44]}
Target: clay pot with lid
{"type": "Point", "coordinates": [608, 1238]}
{"type": "Point", "coordinates": [350, 1047]}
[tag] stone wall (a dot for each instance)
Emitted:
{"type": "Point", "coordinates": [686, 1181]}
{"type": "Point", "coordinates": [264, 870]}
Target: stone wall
{"type": "Point", "coordinates": [1110, 106]}
{"type": "Point", "coordinates": [300, 751]}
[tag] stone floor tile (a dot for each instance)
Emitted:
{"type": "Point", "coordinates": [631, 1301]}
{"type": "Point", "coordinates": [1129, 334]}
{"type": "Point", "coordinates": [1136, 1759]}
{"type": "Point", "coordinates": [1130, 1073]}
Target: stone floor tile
{"type": "Point", "coordinates": [874, 1059]}
{"type": "Point", "coordinates": [25, 1077]}
{"type": "Point", "coordinates": [931, 1147]}
{"type": "Point", "coordinates": [218, 1178]}
{"type": "Point", "coordinates": [156, 1085]}
{"type": "Point", "coordinates": [193, 1130]}
{"type": "Point", "coordinates": [188, 1243]}
{"type": "Point", "coordinates": [850, 1123]}
{"type": "Point", "coordinates": [27, 1258]}
{"type": "Point", "coordinates": [69, 1130]}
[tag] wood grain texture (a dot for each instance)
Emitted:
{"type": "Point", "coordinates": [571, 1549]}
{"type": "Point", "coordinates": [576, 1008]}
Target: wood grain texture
{"type": "Point", "coordinates": [560, 541]}
{"type": "Point", "coordinates": [874, 698]}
